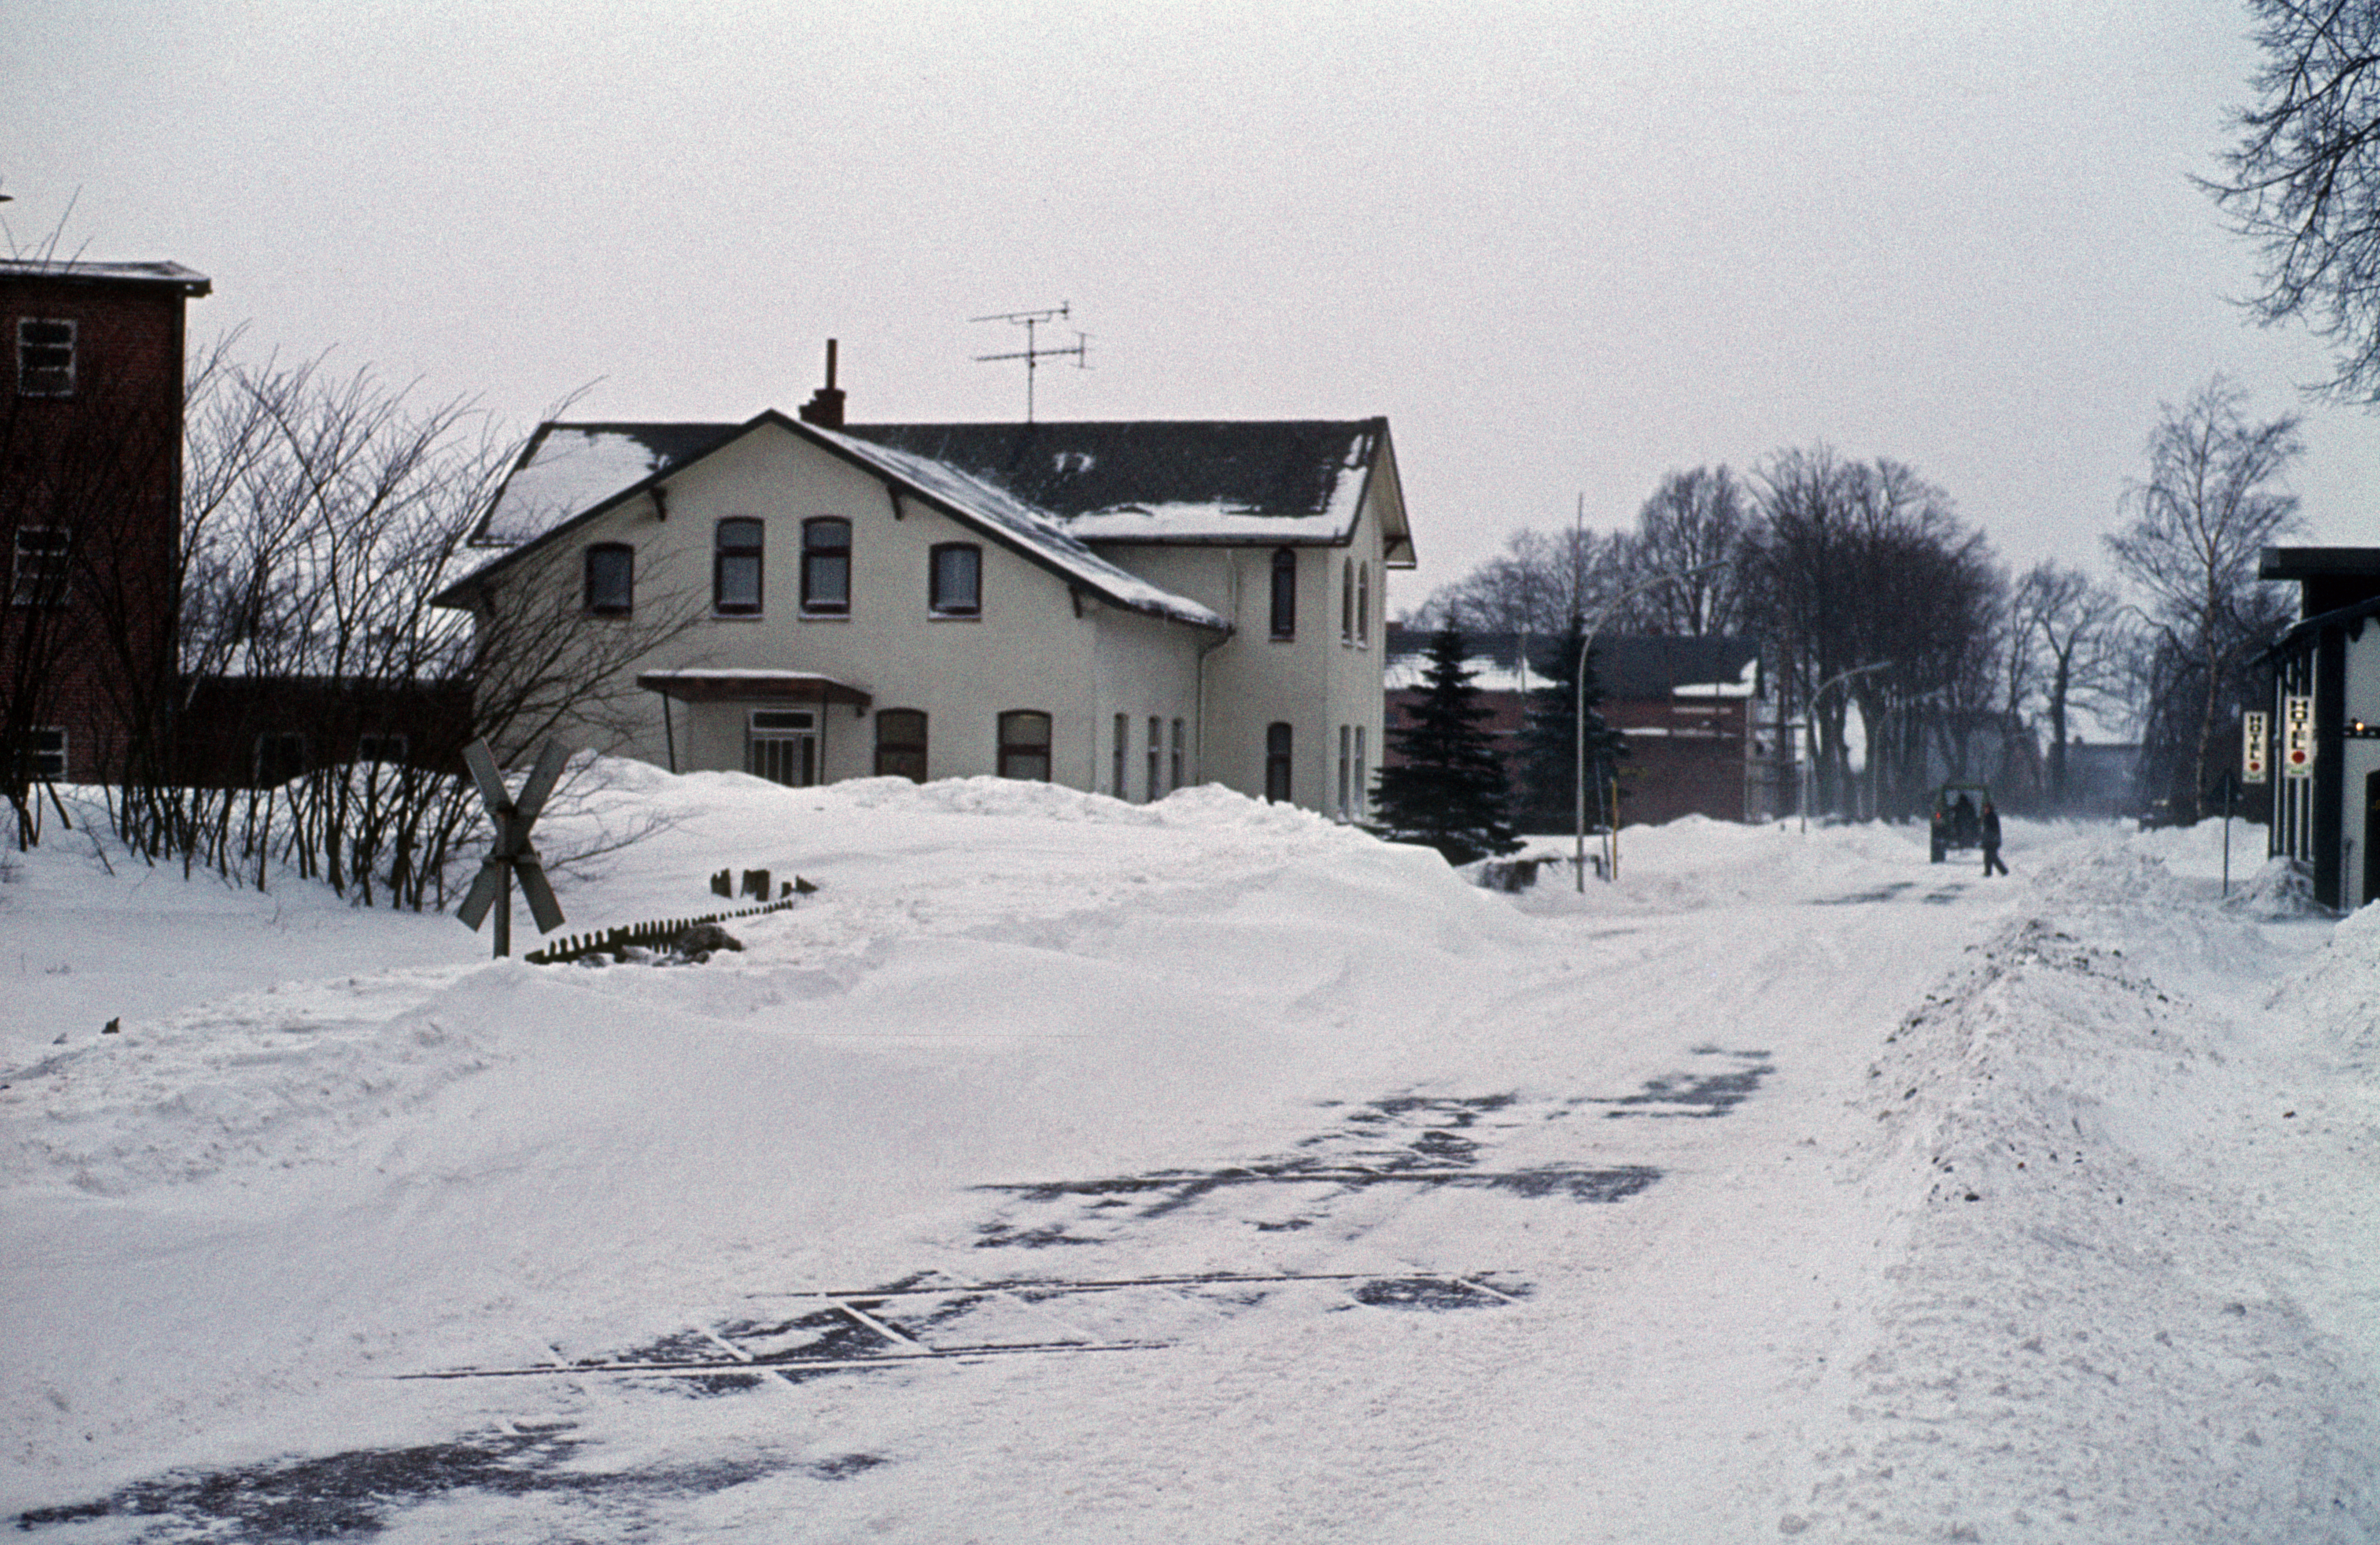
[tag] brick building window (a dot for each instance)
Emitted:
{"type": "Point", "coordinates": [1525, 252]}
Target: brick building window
{"type": "Point", "coordinates": [37, 574]}
{"type": "Point", "coordinates": [44, 756]}
{"type": "Point", "coordinates": [45, 357]}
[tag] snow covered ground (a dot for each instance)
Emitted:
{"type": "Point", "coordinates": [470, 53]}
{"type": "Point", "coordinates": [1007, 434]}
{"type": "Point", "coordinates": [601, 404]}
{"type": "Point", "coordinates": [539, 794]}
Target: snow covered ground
{"type": "Point", "coordinates": [1065, 1170]}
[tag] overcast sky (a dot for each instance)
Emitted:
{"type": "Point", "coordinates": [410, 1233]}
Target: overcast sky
{"type": "Point", "coordinates": [1564, 249]}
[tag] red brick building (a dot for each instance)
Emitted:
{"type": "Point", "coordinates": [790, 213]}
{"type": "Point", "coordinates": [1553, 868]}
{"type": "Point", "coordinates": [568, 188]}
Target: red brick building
{"type": "Point", "coordinates": [91, 472]}
{"type": "Point", "coordinates": [1701, 736]}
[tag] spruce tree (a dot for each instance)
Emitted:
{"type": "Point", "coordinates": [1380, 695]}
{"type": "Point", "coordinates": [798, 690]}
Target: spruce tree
{"type": "Point", "coordinates": [1550, 742]}
{"type": "Point", "coordinates": [1449, 791]}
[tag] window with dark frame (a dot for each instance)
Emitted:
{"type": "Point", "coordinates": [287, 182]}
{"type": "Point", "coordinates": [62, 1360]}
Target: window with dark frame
{"type": "Point", "coordinates": [1024, 745]}
{"type": "Point", "coordinates": [826, 566]}
{"type": "Point", "coordinates": [736, 569]}
{"type": "Point", "coordinates": [1284, 593]}
{"type": "Point", "coordinates": [901, 744]}
{"type": "Point", "coordinates": [1364, 606]}
{"type": "Point", "coordinates": [954, 585]}
{"type": "Point", "coordinates": [1346, 736]}
{"type": "Point", "coordinates": [45, 357]}
{"type": "Point", "coordinates": [1363, 789]}
{"type": "Point", "coordinates": [1277, 739]}
{"type": "Point", "coordinates": [38, 569]}
{"type": "Point", "coordinates": [43, 756]}
{"type": "Point", "coordinates": [1123, 745]}
{"type": "Point", "coordinates": [381, 747]}
{"type": "Point", "coordinates": [1176, 782]}
{"type": "Point", "coordinates": [1156, 759]}
{"type": "Point", "coordinates": [1347, 600]}
{"type": "Point", "coordinates": [610, 579]}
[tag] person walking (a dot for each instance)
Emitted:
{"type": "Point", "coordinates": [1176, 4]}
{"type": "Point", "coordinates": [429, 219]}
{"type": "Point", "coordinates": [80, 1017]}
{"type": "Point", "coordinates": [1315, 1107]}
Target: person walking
{"type": "Point", "coordinates": [1992, 841]}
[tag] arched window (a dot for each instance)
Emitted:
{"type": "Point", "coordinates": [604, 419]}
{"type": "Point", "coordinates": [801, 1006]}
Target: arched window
{"type": "Point", "coordinates": [826, 566]}
{"type": "Point", "coordinates": [1284, 593]}
{"type": "Point", "coordinates": [1024, 745]}
{"type": "Point", "coordinates": [901, 744]}
{"type": "Point", "coordinates": [736, 569]}
{"type": "Point", "coordinates": [1277, 764]}
{"type": "Point", "coordinates": [1347, 600]}
{"type": "Point", "coordinates": [1362, 605]}
{"type": "Point", "coordinates": [610, 579]}
{"type": "Point", "coordinates": [954, 581]}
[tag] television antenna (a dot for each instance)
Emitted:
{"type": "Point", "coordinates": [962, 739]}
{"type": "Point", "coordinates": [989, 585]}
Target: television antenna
{"type": "Point", "coordinates": [1032, 353]}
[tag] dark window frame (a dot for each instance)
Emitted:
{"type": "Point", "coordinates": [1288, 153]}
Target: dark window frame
{"type": "Point", "coordinates": [1364, 606]}
{"type": "Point", "coordinates": [1279, 750]}
{"type": "Point", "coordinates": [938, 603]}
{"type": "Point", "coordinates": [1285, 592]}
{"type": "Point", "coordinates": [598, 595]}
{"type": "Point", "coordinates": [1013, 749]}
{"type": "Point", "coordinates": [383, 745]}
{"type": "Point", "coordinates": [723, 553]}
{"type": "Point", "coordinates": [37, 572]}
{"type": "Point", "coordinates": [815, 556]}
{"type": "Point", "coordinates": [1347, 600]}
{"type": "Point", "coordinates": [895, 757]}
{"type": "Point", "coordinates": [45, 763]}
{"type": "Point", "coordinates": [60, 371]}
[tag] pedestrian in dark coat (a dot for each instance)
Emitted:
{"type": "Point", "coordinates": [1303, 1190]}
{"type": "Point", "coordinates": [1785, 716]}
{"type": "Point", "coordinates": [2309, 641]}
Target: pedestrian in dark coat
{"type": "Point", "coordinates": [1992, 841]}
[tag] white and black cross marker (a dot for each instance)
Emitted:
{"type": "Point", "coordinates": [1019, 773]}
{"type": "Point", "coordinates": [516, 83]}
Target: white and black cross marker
{"type": "Point", "coordinates": [511, 854]}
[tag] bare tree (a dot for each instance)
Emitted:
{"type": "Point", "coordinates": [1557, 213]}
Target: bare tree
{"type": "Point", "coordinates": [1535, 585]}
{"type": "Point", "coordinates": [2304, 177]}
{"type": "Point", "coordinates": [2209, 502]}
{"type": "Point", "coordinates": [1693, 519]}
{"type": "Point", "coordinates": [2067, 630]}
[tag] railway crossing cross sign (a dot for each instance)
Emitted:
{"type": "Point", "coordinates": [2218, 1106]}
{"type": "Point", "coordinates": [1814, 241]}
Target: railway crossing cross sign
{"type": "Point", "coordinates": [512, 853]}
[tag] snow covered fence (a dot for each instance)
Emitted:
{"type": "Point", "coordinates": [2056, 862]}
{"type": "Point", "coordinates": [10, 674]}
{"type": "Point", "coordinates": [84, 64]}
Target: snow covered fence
{"type": "Point", "coordinates": [647, 935]}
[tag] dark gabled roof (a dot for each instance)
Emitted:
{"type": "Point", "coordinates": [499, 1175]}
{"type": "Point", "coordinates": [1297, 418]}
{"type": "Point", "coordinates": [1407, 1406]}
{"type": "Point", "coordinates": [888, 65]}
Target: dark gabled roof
{"type": "Point", "coordinates": [1260, 481]}
{"type": "Point", "coordinates": [2310, 563]}
{"type": "Point", "coordinates": [1631, 666]}
{"type": "Point", "coordinates": [1286, 467]}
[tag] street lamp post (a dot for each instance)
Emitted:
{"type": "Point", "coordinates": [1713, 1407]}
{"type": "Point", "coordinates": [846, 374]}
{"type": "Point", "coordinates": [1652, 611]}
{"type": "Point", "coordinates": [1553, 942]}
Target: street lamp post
{"type": "Point", "coordinates": [1586, 648]}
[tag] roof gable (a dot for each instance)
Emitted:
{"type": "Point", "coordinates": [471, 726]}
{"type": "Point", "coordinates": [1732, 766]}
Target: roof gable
{"type": "Point", "coordinates": [570, 473]}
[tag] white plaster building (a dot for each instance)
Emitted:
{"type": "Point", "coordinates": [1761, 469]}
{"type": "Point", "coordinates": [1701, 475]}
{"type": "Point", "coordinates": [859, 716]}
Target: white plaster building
{"type": "Point", "coordinates": [1120, 607]}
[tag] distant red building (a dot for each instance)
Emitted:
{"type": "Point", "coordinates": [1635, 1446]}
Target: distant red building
{"type": "Point", "coordinates": [90, 473]}
{"type": "Point", "coordinates": [1701, 736]}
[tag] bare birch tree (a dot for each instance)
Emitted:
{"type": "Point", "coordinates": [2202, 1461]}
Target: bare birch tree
{"type": "Point", "coordinates": [2211, 500]}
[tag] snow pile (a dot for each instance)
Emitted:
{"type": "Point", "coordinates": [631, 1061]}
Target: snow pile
{"type": "Point", "coordinates": [2281, 889]}
{"type": "Point", "coordinates": [2121, 1193]}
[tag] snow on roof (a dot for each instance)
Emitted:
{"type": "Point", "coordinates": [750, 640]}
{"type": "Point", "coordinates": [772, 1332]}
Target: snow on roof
{"type": "Point", "coordinates": [188, 280]}
{"type": "Point", "coordinates": [1259, 481]}
{"type": "Point", "coordinates": [1629, 666]}
{"type": "Point", "coordinates": [569, 469]}
{"type": "Point", "coordinates": [1038, 530]}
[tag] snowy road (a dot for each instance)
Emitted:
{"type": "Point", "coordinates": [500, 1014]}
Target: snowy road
{"type": "Point", "coordinates": [1084, 1173]}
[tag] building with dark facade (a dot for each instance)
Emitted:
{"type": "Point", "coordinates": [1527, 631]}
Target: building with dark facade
{"type": "Point", "coordinates": [2324, 734]}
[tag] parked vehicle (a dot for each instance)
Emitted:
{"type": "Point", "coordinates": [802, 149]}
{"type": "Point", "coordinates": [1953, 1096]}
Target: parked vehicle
{"type": "Point", "coordinates": [1957, 817]}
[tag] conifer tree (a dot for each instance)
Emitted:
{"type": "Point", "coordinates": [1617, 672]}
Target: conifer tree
{"type": "Point", "coordinates": [1550, 741]}
{"type": "Point", "coordinates": [1448, 792]}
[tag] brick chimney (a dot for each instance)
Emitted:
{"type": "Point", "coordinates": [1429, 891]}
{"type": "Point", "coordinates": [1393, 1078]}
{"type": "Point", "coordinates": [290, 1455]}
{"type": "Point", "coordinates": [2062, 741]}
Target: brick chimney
{"type": "Point", "coordinates": [825, 406]}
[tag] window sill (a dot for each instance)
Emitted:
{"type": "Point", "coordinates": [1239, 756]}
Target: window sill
{"type": "Point", "coordinates": [955, 616]}
{"type": "Point", "coordinates": [823, 617]}
{"type": "Point", "coordinates": [738, 616]}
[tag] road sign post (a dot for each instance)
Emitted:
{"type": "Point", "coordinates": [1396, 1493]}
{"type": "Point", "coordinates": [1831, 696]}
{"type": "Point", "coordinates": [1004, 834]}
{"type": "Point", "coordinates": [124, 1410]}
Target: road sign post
{"type": "Point", "coordinates": [511, 855]}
